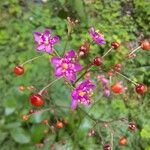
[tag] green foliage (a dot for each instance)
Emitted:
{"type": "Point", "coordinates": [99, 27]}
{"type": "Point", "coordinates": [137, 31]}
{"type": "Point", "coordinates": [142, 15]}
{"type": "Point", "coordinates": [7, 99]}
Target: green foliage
{"type": "Point", "coordinates": [20, 135]}
{"type": "Point", "coordinates": [120, 20]}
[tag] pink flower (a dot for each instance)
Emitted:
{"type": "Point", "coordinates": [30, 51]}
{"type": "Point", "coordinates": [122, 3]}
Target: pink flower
{"type": "Point", "coordinates": [82, 93]}
{"type": "Point", "coordinates": [66, 66]}
{"type": "Point", "coordinates": [96, 36]}
{"type": "Point", "coordinates": [45, 41]}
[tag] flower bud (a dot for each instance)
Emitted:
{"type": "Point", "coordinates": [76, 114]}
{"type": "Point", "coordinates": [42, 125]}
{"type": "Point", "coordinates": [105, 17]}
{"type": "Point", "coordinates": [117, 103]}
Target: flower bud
{"type": "Point", "coordinates": [84, 48]}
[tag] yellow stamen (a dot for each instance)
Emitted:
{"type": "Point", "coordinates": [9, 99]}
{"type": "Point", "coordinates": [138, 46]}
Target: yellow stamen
{"type": "Point", "coordinates": [81, 93]}
{"type": "Point", "coordinates": [65, 66]}
{"type": "Point", "coordinates": [99, 33]}
{"type": "Point", "coordinates": [46, 42]}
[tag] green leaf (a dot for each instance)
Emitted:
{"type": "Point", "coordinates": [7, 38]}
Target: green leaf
{"type": "Point", "coordinates": [20, 135]}
{"type": "Point", "coordinates": [3, 136]}
{"type": "Point", "coordinates": [38, 132]}
{"type": "Point", "coordinates": [9, 111]}
{"type": "Point", "coordinates": [145, 132]}
{"type": "Point", "coordinates": [147, 148]}
{"type": "Point", "coordinates": [13, 125]}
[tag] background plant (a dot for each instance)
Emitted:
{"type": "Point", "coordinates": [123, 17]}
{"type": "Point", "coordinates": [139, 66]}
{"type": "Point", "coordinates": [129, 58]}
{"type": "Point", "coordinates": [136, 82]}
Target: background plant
{"type": "Point", "coordinates": [124, 21]}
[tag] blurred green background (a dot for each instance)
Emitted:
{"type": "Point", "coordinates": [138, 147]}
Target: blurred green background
{"type": "Point", "coordinates": [127, 21]}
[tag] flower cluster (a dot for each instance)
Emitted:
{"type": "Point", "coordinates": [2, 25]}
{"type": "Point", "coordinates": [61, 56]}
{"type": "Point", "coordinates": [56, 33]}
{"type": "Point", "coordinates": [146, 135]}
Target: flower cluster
{"type": "Point", "coordinates": [67, 66]}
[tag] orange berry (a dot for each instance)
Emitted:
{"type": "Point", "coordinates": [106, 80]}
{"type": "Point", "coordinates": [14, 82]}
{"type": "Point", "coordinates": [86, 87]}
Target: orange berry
{"type": "Point", "coordinates": [21, 88]}
{"type": "Point", "coordinates": [59, 125]}
{"type": "Point", "coordinates": [145, 45]}
{"type": "Point", "coordinates": [117, 88]}
{"type": "Point", "coordinates": [123, 141]}
{"type": "Point", "coordinates": [25, 117]}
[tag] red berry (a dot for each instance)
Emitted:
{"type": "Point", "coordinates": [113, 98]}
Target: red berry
{"type": "Point", "coordinates": [141, 88]}
{"type": "Point", "coordinates": [25, 117]}
{"type": "Point", "coordinates": [123, 141]}
{"type": "Point", "coordinates": [91, 132]}
{"type": "Point", "coordinates": [36, 100]}
{"type": "Point", "coordinates": [117, 88]}
{"type": "Point", "coordinates": [115, 45]}
{"type": "Point", "coordinates": [19, 70]}
{"type": "Point", "coordinates": [118, 67]}
{"type": "Point", "coordinates": [59, 125]}
{"type": "Point", "coordinates": [107, 147]}
{"type": "Point", "coordinates": [85, 47]}
{"type": "Point", "coordinates": [145, 45]}
{"type": "Point", "coordinates": [132, 126]}
{"type": "Point", "coordinates": [97, 61]}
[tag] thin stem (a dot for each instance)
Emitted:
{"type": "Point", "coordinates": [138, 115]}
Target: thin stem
{"type": "Point", "coordinates": [134, 50]}
{"type": "Point", "coordinates": [102, 121]}
{"type": "Point", "coordinates": [69, 84]}
{"type": "Point", "coordinates": [30, 60]}
{"type": "Point", "coordinates": [40, 111]}
{"type": "Point", "coordinates": [50, 84]}
{"type": "Point", "coordinates": [111, 140]}
{"type": "Point", "coordinates": [68, 36]}
{"type": "Point", "coordinates": [107, 52]}
{"type": "Point", "coordinates": [126, 78]}
{"type": "Point", "coordinates": [110, 80]}
{"type": "Point", "coordinates": [66, 44]}
{"type": "Point", "coordinates": [56, 53]}
{"type": "Point", "coordinates": [100, 136]}
{"type": "Point", "coordinates": [53, 131]}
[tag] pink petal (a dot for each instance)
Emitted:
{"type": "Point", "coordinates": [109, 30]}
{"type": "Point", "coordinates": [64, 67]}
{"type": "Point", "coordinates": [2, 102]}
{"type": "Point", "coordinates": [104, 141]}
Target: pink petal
{"type": "Point", "coordinates": [70, 76]}
{"type": "Point", "coordinates": [37, 37]}
{"type": "Point", "coordinates": [70, 54]}
{"type": "Point", "coordinates": [74, 94]}
{"type": "Point", "coordinates": [74, 104]}
{"type": "Point", "coordinates": [56, 61]}
{"type": "Point", "coordinates": [78, 67]}
{"type": "Point", "coordinates": [47, 32]}
{"type": "Point", "coordinates": [40, 47]}
{"type": "Point", "coordinates": [91, 30]}
{"type": "Point", "coordinates": [48, 48]}
{"type": "Point", "coordinates": [58, 72]}
{"type": "Point", "coordinates": [55, 39]}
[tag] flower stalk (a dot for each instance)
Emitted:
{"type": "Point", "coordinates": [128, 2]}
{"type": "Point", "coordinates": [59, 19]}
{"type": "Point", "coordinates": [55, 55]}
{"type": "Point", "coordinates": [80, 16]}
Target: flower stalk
{"type": "Point", "coordinates": [134, 51]}
{"type": "Point", "coordinates": [32, 59]}
{"type": "Point", "coordinates": [126, 78]}
{"type": "Point", "coordinates": [107, 52]}
{"type": "Point", "coordinates": [50, 84]}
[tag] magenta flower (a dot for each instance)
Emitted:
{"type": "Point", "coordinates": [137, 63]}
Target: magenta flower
{"type": "Point", "coordinates": [45, 41]}
{"type": "Point", "coordinates": [96, 36]}
{"type": "Point", "coordinates": [66, 66]}
{"type": "Point", "coordinates": [82, 93]}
